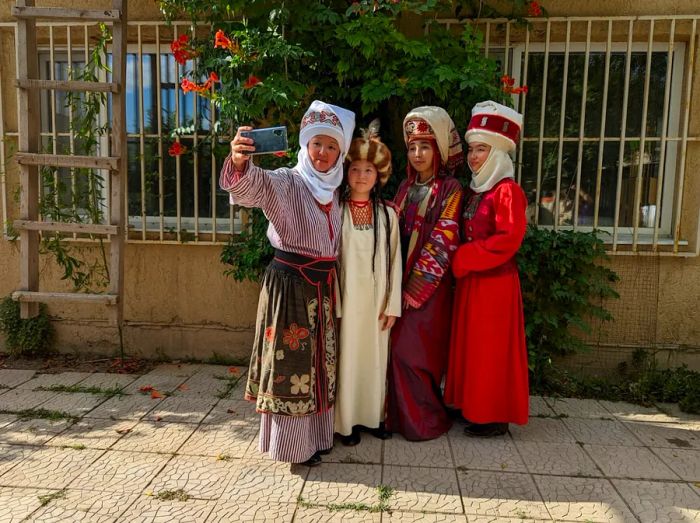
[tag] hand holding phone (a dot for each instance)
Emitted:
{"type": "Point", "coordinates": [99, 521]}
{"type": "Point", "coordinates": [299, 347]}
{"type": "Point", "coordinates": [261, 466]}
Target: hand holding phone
{"type": "Point", "coordinates": [267, 139]}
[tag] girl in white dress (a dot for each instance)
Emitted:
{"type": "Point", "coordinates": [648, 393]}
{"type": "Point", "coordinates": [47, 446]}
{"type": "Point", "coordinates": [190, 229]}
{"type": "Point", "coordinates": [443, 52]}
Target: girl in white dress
{"type": "Point", "coordinates": [370, 281]}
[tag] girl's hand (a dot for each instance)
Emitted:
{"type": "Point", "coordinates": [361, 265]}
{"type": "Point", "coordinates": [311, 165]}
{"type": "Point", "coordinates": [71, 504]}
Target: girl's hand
{"type": "Point", "coordinates": [240, 149]}
{"type": "Point", "coordinates": [387, 321]}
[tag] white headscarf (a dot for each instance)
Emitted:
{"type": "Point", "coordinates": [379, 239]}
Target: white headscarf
{"type": "Point", "coordinates": [497, 166]}
{"type": "Point", "coordinates": [329, 120]}
{"type": "Point", "coordinates": [441, 128]}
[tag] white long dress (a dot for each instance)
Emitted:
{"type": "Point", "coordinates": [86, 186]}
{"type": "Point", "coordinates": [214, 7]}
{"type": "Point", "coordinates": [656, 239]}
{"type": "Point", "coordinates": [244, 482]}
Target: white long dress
{"type": "Point", "coordinates": [364, 346]}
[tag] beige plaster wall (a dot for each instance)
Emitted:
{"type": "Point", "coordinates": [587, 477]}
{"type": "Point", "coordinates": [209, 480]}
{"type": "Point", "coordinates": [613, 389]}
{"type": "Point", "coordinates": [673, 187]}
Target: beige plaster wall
{"type": "Point", "coordinates": [178, 303]}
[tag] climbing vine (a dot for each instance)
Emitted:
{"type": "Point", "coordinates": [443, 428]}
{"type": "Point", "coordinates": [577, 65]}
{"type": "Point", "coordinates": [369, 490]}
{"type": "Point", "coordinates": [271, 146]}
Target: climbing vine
{"type": "Point", "coordinates": [82, 200]}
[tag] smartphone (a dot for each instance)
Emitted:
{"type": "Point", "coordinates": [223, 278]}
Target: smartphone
{"type": "Point", "coordinates": [268, 139]}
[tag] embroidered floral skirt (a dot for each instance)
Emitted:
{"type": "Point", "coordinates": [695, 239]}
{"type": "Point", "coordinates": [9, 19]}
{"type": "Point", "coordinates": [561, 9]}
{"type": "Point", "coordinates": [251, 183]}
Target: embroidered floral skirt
{"type": "Point", "coordinates": [293, 365]}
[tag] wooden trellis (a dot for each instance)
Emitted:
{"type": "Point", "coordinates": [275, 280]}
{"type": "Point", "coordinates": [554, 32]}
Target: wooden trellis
{"type": "Point", "coordinates": [29, 225]}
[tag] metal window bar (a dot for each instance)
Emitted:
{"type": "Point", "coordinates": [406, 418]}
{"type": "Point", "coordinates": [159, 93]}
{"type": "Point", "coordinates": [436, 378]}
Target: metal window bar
{"type": "Point", "coordinates": [598, 35]}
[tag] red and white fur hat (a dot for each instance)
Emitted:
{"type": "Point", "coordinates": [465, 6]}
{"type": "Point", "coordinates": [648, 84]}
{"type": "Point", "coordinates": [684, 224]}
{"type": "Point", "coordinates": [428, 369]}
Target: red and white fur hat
{"type": "Point", "coordinates": [496, 125]}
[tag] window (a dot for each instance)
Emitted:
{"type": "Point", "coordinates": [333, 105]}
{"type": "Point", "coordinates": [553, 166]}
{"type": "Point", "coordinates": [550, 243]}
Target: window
{"type": "Point", "coordinates": [597, 178]}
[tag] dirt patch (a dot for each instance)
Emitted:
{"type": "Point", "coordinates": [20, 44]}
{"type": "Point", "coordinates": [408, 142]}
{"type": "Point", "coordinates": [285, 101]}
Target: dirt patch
{"type": "Point", "coordinates": [71, 363]}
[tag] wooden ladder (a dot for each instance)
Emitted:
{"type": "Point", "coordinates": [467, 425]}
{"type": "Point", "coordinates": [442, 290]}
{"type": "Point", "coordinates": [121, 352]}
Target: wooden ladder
{"type": "Point", "coordinates": [29, 159]}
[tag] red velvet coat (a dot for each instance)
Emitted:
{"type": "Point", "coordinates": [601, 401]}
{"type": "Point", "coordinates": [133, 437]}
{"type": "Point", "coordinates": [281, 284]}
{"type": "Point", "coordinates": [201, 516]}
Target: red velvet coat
{"type": "Point", "coordinates": [487, 372]}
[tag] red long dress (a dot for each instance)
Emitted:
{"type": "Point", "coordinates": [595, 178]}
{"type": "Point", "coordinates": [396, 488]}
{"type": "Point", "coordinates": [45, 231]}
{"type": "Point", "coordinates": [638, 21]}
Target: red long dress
{"type": "Point", "coordinates": [487, 372]}
{"type": "Point", "coordinates": [420, 339]}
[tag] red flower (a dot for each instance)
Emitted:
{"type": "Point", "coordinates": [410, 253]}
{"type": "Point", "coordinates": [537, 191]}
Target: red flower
{"type": "Point", "coordinates": [251, 82]}
{"type": "Point", "coordinates": [214, 77]}
{"type": "Point", "coordinates": [176, 149]}
{"type": "Point", "coordinates": [508, 85]}
{"type": "Point", "coordinates": [507, 80]}
{"type": "Point", "coordinates": [270, 334]}
{"type": "Point", "coordinates": [188, 85]}
{"type": "Point", "coordinates": [294, 335]}
{"type": "Point", "coordinates": [281, 154]}
{"type": "Point", "coordinates": [181, 49]}
{"type": "Point", "coordinates": [534, 9]}
{"type": "Point", "coordinates": [423, 127]}
{"type": "Point", "coordinates": [223, 41]}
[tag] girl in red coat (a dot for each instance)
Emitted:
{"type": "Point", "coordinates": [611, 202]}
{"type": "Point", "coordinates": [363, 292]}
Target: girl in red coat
{"type": "Point", "coordinates": [487, 372]}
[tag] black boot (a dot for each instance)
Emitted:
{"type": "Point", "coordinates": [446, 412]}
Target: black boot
{"type": "Point", "coordinates": [486, 430]}
{"type": "Point", "coordinates": [353, 439]}
{"type": "Point", "coordinates": [380, 432]}
{"type": "Point", "coordinates": [313, 460]}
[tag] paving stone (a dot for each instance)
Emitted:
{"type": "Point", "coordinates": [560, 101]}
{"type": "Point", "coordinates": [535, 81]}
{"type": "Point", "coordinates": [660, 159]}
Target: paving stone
{"type": "Point", "coordinates": [93, 433]}
{"type": "Point", "coordinates": [601, 432]}
{"type": "Point", "coordinates": [231, 440]}
{"type": "Point", "coordinates": [226, 411]}
{"type": "Point", "coordinates": [6, 419]}
{"type": "Point", "coordinates": [684, 462]}
{"type": "Point", "coordinates": [582, 499]}
{"type": "Point", "coordinates": [418, 517]}
{"type": "Point", "coordinates": [541, 429]}
{"type": "Point", "coordinates": [323, 515]}
{"type": "Point", "coordinates": [539, 407]}
{"type": "Point", "coordinates": [125, 407]}
{"type": "Point", "coordinates": [84, 506]}
{"type": "Point", "coordinates": [669, 435]}
{"type": "Point", "coordinates": [201, 478]}
{"type": "Point", "coordinates": [624, 411]}
{"type": "Point", "coordinates": [433, 453]}
{"type": "Point", "coordinates": [659, 502]}
{"type": "Point", "coordinates": [48, 380]}
{"type": "Point", "coordinates": [423, 489]}
{"type": "Point", "coordinates": [369, 450]}
{"type": "Point", "coordinates": [629, 462]}
{"type": "Point", "coordinates": [17, 503]}
{"type": "Point", "coordinates": [74, 403]}
{"type": "Point", "coordinates": [260, 480]}
{"type": "Point", "coordinates": [108, 380]}
{"type": "Point", "coordinates": [32, 431]}
{"type": "Point", "coordinates": [485, 453]}
{"type": "Point", "coordinates": [471, 518]}
{"type": "Point", "coordinates": [566, 459]}
{"type": "Point", "coordinates": [502, 494]}
{"type": "Point", "coordinates": [147, 509]}
{"type": "Point", "coordinates": [12, 377]}
{"type": "Point", "coordinates": [13, 455]}
{"type": "Point", "coordinates": [258, 512]}
{"type": "Point", "coordinates": [338, 483]}
{"type": "Point", "coordinates": [22, 399]}
{"type": "Point", "coordinates": [673, 410]}
{"type": "Point", "coordinates": [155, 436]}
{"type": "Point", "coordinates": [182, 409]}
{"type": "Point", "coordinates": [578, 408]}
{"type": "Point", "coordinates": [50, 467]}
{"type": "Point", "coordinates": [174, 369]}
{"type": "Point", "coordinates": [122, 472]}
{"type": "Point", "coordinates": [203, 384]}
{"type": "Point", "coordinates": [163, 383]}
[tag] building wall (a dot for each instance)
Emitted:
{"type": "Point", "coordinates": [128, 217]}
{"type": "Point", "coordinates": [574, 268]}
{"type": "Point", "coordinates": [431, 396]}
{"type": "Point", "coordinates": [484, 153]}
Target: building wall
{"type": "Point", "coordinates": [179, 304]}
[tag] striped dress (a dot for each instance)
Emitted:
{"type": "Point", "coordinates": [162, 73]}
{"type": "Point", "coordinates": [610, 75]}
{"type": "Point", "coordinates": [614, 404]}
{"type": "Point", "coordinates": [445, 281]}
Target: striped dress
{"type": "Point", "coordinates": [296, 405]}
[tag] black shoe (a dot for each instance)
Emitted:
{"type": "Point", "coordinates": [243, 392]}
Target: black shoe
{"type": "Point", "coordinates": [486, 430]}
{"type": "Point", "coordinates": [324, 452]}
{"type": "Point", "coordinates": [313, 460]}
{"type": "Point", "coordinates": [380, 432]}
{"type": "Point", "coordinates": [353, 439]}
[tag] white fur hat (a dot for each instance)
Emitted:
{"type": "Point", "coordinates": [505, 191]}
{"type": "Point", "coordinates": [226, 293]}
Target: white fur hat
{"type": "Point", "coordinates": [494, 124]}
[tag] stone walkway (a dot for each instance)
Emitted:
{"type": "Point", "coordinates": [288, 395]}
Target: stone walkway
{"type": "Point", "coordinates": [178, 444]}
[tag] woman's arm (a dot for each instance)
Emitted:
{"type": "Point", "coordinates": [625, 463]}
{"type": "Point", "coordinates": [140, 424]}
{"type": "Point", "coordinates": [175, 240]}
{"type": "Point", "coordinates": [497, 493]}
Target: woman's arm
{"type": "Point", "coordinates": [480, 255]}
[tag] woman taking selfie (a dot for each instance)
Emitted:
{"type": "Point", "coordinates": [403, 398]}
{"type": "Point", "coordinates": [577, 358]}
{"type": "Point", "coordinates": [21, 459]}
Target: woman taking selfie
{"type": "Point", "coordinates": [292, 375]}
